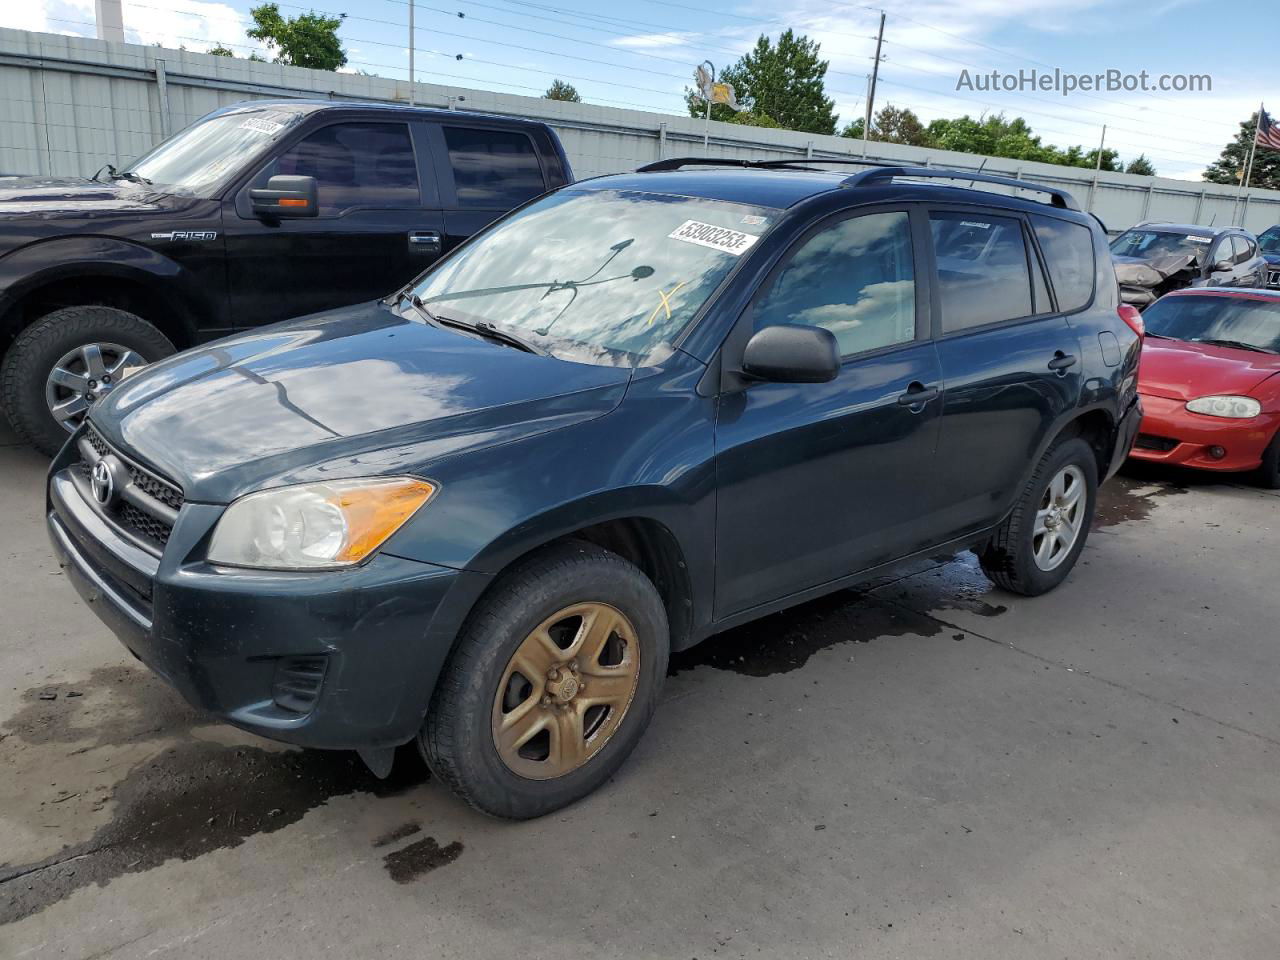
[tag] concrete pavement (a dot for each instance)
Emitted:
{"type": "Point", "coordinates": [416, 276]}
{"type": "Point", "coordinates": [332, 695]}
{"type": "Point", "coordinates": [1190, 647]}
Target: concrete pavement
{"type": "Point", "coordinates": [926, 769]}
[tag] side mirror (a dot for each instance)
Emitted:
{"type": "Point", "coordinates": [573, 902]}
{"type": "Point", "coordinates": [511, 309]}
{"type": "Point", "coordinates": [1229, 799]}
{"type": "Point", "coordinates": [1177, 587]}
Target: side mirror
{"type": "Point", "coordinates": [792, 354]}
{"type": "Point", "coordinates": [1222, 266]}
{"type": "Point", "coordinates": [286, 196]}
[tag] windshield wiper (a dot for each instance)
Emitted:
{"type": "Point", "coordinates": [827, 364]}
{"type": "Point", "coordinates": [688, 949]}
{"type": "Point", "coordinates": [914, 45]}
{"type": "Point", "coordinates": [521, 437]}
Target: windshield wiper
{"type": "Point", "coordinates": [115, 174]}
{"type": "Point", "coordinates": [1239, 344]}
{"type": "Point", "coordinates": [482, 327]}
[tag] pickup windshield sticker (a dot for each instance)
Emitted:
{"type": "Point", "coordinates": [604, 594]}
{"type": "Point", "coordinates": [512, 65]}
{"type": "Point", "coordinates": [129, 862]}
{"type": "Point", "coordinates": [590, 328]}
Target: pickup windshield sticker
{"type": "Point", "coordinates": [717, 238]}
{"type": "Point", "coordinates": [262, 125]}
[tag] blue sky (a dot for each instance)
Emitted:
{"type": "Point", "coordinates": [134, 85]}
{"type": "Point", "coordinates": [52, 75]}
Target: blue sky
{"type": "Point", "coordinates": [638, 53]}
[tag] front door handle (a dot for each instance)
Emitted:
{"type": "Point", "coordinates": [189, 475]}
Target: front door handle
{"type": "Point", "coordinates": [917, 396]}
{"type": "Point", "coordinates": [424, 241]}
{"type": "Point", "coordinates": [1060, 362]}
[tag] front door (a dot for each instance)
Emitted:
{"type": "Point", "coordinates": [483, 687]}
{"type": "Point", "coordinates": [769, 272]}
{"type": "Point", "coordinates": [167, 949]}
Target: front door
{"type": "Point", "coordinates": [380, 224]}
{"type": "Point", "coordinates": [818, 481]}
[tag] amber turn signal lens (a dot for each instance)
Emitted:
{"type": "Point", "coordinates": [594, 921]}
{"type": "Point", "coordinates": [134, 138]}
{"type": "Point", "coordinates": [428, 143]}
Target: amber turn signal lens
{"type": "Point", "coordinates": [373, 513]}
{"type": "Point", "coordinates": [292, 202]}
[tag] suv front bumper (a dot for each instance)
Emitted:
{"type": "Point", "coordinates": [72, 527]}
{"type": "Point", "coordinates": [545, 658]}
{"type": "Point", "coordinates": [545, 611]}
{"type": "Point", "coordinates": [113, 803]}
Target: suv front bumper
{"type": "Point", "coordinates": [344, 659]}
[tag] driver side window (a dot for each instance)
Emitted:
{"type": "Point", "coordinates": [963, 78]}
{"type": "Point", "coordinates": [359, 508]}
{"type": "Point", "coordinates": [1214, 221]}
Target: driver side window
{"type": "Point", "coordinates": [856, 278]}
{"type": "Point", "coordinates": [369, 165]}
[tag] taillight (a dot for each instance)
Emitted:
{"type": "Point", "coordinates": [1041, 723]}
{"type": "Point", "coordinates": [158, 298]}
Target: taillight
{"type": "Point", "coordinates": [1132, 317]}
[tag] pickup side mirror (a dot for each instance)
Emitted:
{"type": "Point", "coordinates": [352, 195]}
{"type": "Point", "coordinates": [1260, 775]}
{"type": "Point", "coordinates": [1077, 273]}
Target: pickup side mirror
{"type": "Point", "coordinates": [792, 354]}
{"type": "Point", "coordinates": [286, 196]}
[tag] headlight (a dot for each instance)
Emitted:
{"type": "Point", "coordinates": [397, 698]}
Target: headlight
{"type": "Point", "coordinates": [1233, 408]}
{"type": "Point", "coordinates": [315, 526]}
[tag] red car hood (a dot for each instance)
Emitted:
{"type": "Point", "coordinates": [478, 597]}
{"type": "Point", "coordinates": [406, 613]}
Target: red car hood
{"type": "Point", "coordinates": [1181, 370]}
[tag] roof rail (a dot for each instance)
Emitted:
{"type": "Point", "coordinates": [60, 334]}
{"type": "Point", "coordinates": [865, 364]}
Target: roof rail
{"type": "Point", "coordinates": [1057, 198]}
{"type": "Point", "coordinates": [878, 173]}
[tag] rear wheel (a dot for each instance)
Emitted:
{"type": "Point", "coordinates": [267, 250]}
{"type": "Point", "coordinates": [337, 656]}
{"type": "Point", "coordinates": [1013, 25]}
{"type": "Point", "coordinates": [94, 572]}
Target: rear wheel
{"type": "Point", "coordinates": [1036, 547]}
{"type": "Point", "coordinates": [65, 361]}
{"type": "Point", "coordinates": [551, 685]}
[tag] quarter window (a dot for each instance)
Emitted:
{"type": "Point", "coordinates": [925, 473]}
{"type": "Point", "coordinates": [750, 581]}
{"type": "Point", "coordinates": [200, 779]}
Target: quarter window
{"type": "Point", "coordinates": [493, 168]}
{"type": "Point", "coordinates": [856, 279]}
{"type": "Point", "coordinates": [356, 165]}
{"type": "Point", "coordinates": [1244, 249]}
{"type": "Point", "coordinates": [1068, 250]}
{"type": "Point", "coordinates": [982, 269]}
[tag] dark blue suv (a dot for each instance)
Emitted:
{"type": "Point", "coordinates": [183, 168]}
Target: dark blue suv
{"type": "Point", "coordinates": [632, 413]}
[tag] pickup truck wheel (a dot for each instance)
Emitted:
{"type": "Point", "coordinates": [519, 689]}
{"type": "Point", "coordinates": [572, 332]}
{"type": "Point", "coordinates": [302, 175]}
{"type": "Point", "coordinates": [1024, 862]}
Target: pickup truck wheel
{"type": "Point", "coordinates": [62, 363]}
{"type": "Point", "coordinates": [1036, 547]}
{"type": "Point", "coordinates": [551, 684]}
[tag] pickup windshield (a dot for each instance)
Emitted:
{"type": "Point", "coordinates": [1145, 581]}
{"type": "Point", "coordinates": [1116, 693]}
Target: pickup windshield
{"type": "Point", "coordinates": [603, 276]}
{"type": "Point", "coordinates": [194, 162]}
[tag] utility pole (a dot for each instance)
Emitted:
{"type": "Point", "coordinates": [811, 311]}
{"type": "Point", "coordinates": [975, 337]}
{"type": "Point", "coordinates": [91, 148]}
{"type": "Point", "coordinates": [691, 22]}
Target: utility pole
{"type": "Point", "coordinates": [411, 46]}
{"type": "Point", "coordinates": [1248, 169]}
{"type": "Point", "coordinates": [1097, 168]}
{"type": "Point", "coordinates": [871, 88]}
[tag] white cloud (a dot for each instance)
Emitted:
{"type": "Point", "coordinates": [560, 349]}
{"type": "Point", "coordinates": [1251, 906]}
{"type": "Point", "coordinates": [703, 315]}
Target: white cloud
{"type": "Point", "coordinates": [655, 41]}
{"type": "Point", "coordinates": [193, 24]}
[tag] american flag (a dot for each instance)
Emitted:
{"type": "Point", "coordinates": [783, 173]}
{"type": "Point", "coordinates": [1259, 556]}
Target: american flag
{"type": "Point", "coordinates": [1268, 133]}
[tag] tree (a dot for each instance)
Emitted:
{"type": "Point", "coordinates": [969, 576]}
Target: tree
{"type": "Point", "coordinates": [219, 51]}
{"type": "Point", "coordinates": [892, 125]}
{"type": "Point", "coordinates": [1141, 166]}
{"type": "Point", "coordinates": [783, 81]}
{"type": "Point", "coordinates": [307, 40]}
{"type": "Point", "coordinates": [559, 90]}
{"type": "Point", "coordinates": [1230, 166]}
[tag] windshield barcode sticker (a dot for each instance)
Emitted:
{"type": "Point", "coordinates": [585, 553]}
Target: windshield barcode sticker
{"type": "Point", "coordinates": [262, 125]}
{"type": "Point", "coordinates": [1194, 239]}
{"type": "Point", "coordinates": [717, 238]}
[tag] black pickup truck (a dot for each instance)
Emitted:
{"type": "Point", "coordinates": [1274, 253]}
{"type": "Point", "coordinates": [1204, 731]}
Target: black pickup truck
{"type": "Point", "coordinates": [258, 212]}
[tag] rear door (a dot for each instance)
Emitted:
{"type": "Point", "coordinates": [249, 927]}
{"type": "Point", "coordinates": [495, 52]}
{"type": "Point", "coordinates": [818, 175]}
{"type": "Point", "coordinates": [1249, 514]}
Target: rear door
{"type": "Point", "coordinates": [485, 171]}
{"type": "Point", "coordinates": [1010, 360]}
{"type": "Point", "coordinates": [380, 223]}
{"type": "Point", "coordinates": [817, 481]}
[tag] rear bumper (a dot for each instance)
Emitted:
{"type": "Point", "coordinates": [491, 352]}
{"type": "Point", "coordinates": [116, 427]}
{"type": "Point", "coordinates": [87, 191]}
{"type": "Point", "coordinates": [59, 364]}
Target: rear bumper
{"type": "Point", "coordinates": [335, 660]}
{"type": "Point", "coordinates": [1170, 434]}
{"type": "Point", "coordinates": [1126, 434]}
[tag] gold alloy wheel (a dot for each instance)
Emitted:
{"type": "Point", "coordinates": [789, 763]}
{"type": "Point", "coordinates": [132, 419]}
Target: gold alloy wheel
{"type": "Point", "coordinates": [565, 691]}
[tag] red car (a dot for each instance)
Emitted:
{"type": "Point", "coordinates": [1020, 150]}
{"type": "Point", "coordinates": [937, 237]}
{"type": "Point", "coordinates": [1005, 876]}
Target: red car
{"type": "Point", "coordinates": [1210, 381]}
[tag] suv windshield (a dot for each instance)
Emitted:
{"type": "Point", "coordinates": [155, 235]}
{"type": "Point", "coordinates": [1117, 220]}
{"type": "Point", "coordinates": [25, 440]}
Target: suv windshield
{"type": "Point", "coordinates": [606, 276]}
{"type": "Point", "coordinates": [1228, 321]}
{"type": "Point", "coordinates": [1149, 244]}
{"type": "Point", "coordinates": [195, 161]}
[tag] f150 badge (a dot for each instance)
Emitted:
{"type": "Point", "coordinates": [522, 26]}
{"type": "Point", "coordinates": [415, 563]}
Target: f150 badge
{"type": "Point", "coordinates": [175, 235]}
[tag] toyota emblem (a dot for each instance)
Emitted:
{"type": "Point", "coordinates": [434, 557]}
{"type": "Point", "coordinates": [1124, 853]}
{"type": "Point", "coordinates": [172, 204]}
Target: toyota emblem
{"type": "Point", "coordinates": [102, 482]}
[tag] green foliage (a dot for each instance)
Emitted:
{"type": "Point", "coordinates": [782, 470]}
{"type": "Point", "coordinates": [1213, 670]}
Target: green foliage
{"type": "Point", "coordinates": [783, 81]}
{"type": "Point", "coordinates": [559, 90]}
{"type": "Point", "coordinates": [892, 125]}
{"type": "Point", "coordinates": [307, 40]}
{"type": "Point", "coordinates": [1141, 166]}
{"type": "Point", "coordinates": [750, 118]}
{"type": "Point", "coordinates": [219, 51]}
{"type": "Point", "coordinates": [1230, 166]}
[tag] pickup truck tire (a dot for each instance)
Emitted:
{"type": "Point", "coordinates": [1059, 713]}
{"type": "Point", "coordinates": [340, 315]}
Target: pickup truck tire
{"type": "Point", "coordinates": [30, 360]}
{"type": "Point", "coordinates": [1038, 544]}
{"type": "Point", "coordinates": [486, 713]}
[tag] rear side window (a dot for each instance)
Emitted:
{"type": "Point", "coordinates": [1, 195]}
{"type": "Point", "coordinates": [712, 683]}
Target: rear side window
{"type": "Point", "coordinates": [982, 269]}
{"type": "Point", "coordinates": [1068, 251]}
{"type": "Point", "coordinates": [855, 278]}
{"type": "Point", "coordinates": [356, 165]}
{"type": "Point", "coordinates": [1244, 249]}
{"type": "Point", "coordinates": [493, 168]}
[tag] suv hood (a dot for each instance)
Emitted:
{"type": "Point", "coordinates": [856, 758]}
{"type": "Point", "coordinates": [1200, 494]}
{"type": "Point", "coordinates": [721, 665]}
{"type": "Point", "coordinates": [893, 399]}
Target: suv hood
{"type": "Point", "coordinates": [40, 195]}
{"type": "Point", "coordinates": [361, 391]}
{"type": "Point", "coordinates": [1182, 370]}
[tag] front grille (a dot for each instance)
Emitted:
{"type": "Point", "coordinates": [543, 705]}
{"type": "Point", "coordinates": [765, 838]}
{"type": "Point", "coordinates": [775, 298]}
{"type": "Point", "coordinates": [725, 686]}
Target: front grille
{"type": "Point", "coordinates": [1149, 441]}
{"type": "Point", "coordinates": [135, 519]}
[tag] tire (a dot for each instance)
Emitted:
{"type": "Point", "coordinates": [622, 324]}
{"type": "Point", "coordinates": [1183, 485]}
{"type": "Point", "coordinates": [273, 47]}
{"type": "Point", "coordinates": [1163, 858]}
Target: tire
{"type": "Point", "coordinates": [31, 359]}
{"type": "Point", "coordinates": [1269, 472]}
{"type": "Point", "coordinates": [459, 738]}
{"type": "Point", "coordinates": [1010, 557]}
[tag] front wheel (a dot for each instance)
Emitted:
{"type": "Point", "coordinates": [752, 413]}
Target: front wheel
{"type": "Point", "coordinates": [551, 685]}
{"type": "Point", "coordinates": [1036, 547]}
{"type": "Point", "coordinates": [64, 362]}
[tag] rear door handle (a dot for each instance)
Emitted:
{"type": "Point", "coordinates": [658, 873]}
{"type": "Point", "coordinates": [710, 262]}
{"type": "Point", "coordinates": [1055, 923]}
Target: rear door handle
{"type": "Point", "coordinates": [424, 241]}
{"type": "Point", "coordinates": [917, 396]}
{"type": "Point", "coordinates": [1061, 361]}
